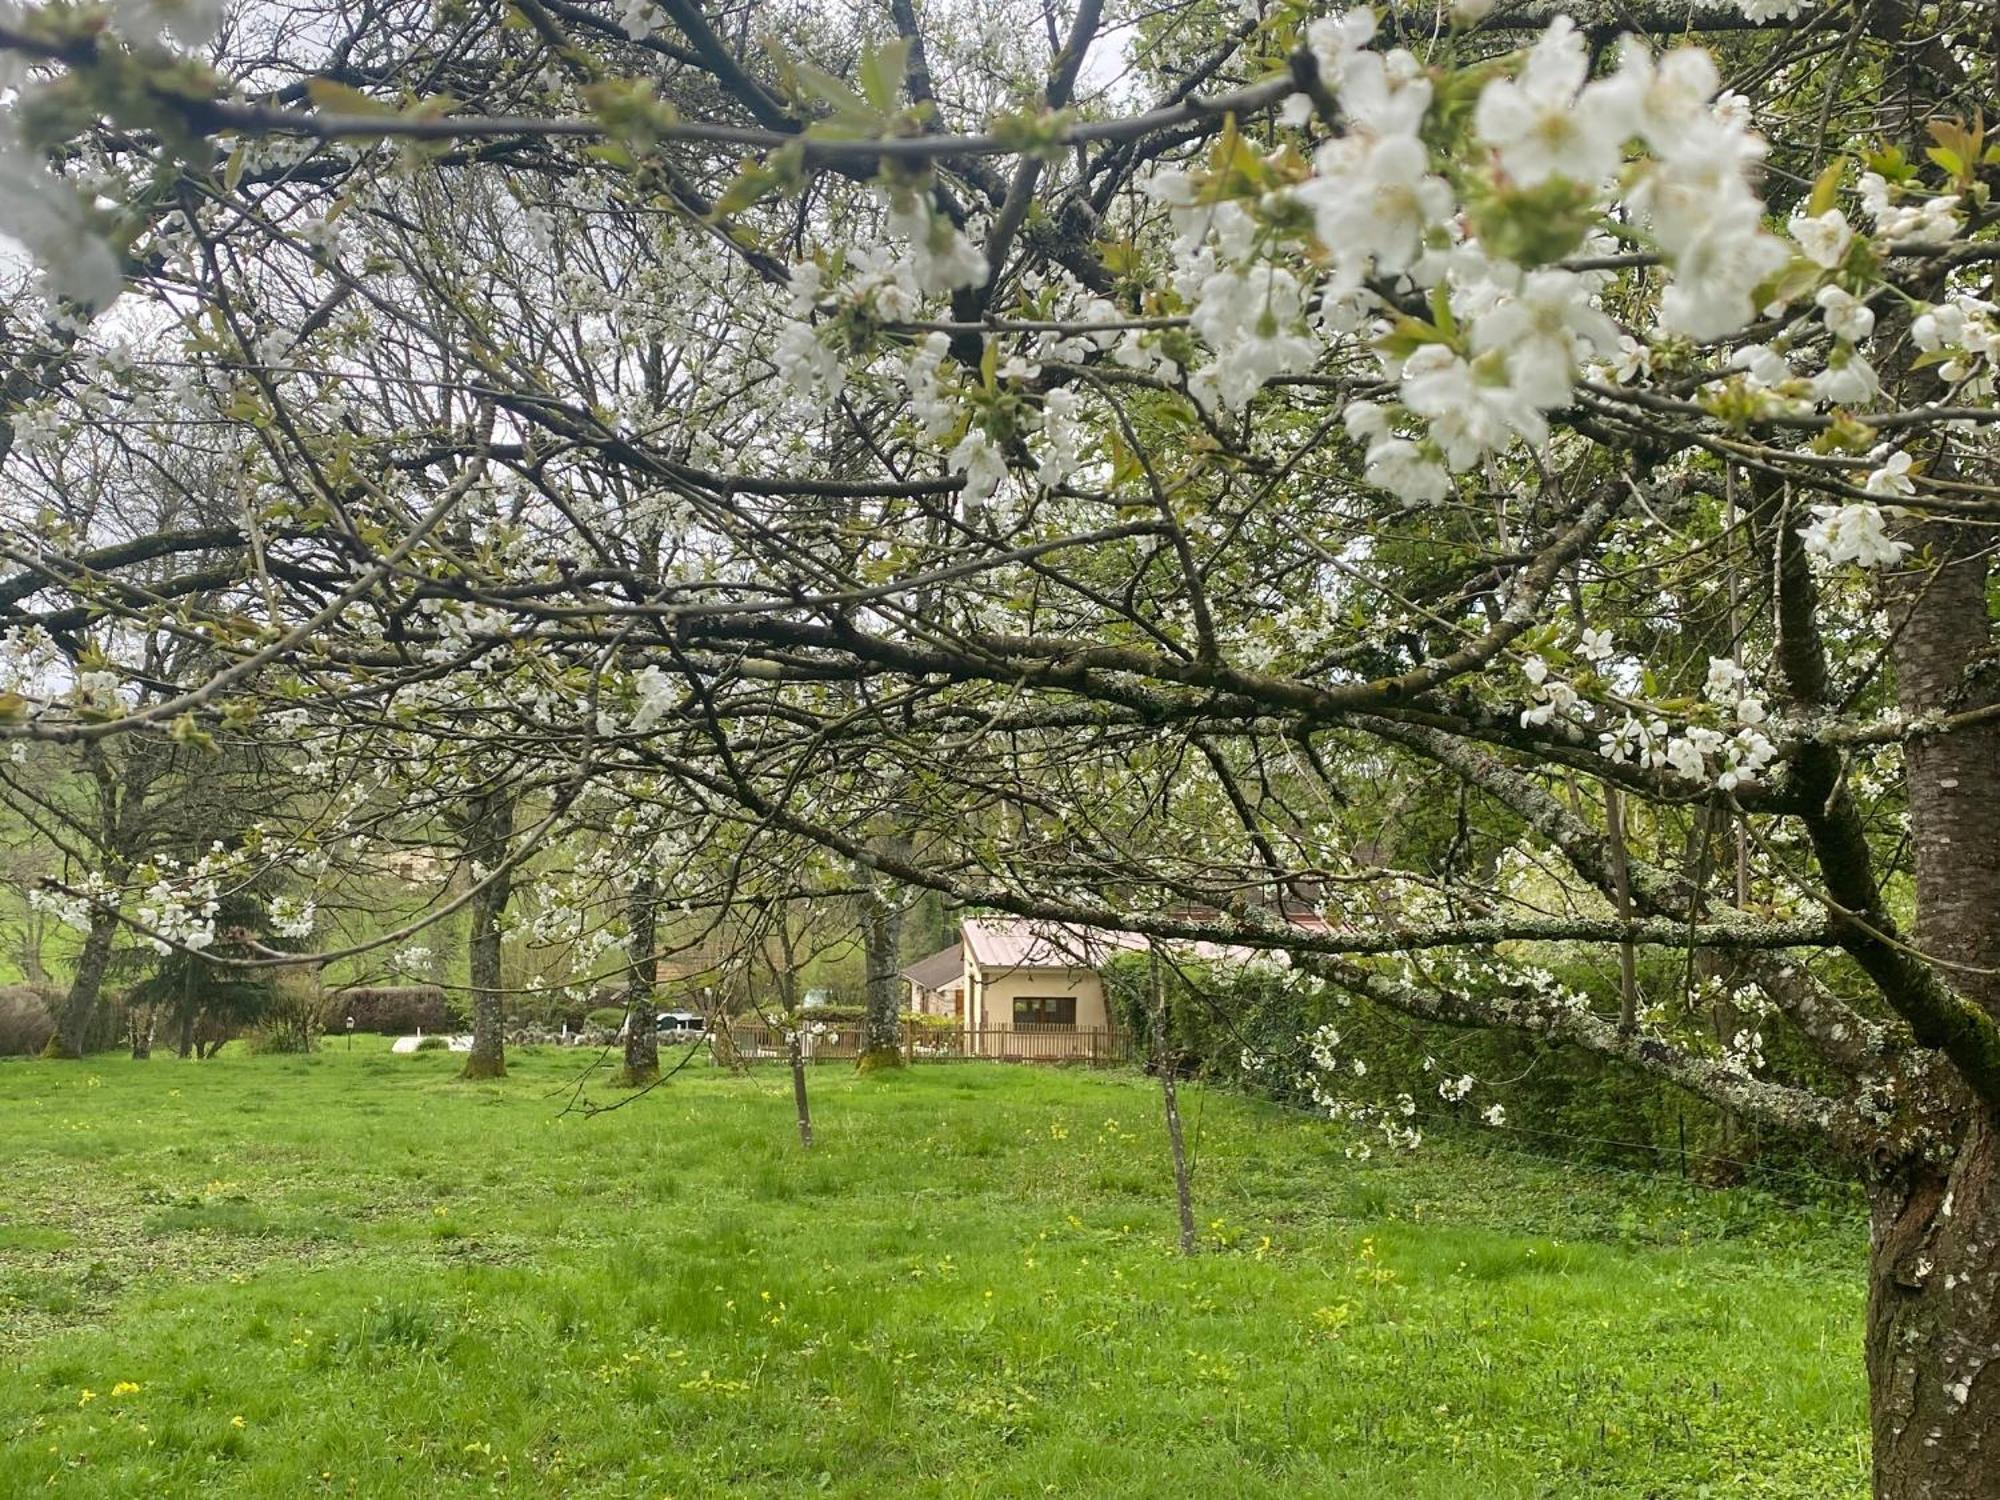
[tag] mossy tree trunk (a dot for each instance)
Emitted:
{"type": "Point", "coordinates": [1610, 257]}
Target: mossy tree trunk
{"type": "Point", "coordinates": [881, 934]}
{"type": "Point", "coordinates": [642, 1037]}
{"type": "Point", "coordinates": [79, 1007]}
{"type": "Point", "coordinates": [489, 830]}
{"type": "Point", "coordinates": [1933, 1332]}
{"type": "Point", "coordinates": [113, 799]}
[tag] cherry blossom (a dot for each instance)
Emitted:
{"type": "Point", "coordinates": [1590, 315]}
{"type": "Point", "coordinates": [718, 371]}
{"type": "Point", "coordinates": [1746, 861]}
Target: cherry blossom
{"type": "Point", "coordinates": [1853, 533]}
{"type": "Point", "coordinates": [1824, 237]}
{"type": "Point", "coordinates": [1546, 122]}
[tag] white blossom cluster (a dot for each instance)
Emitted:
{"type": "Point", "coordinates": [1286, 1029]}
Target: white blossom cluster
{"type": "Point", "coordinates": [805, 362]}
{"type": "Point", "coordinates": [1728, 757]}
{"type": "Point", "coordinates": [1857, 532]}
{"type": "Point", "coordinates": [655, 692]}
{"type": "Point", "coordinates": [941, 258]}
{"type": "Point", "coordinates": [412, 959]}
{"type": "Point", "coordinates": [179, 906]}
{"type": "Point", "coordinates": [293, 916]}
{"type": "Point", "coordinates": [73, 907]}
{"type": "Point", "coordinates": [1329, 1076]}
{"type": "Point", "coordinates": [51, 215]}
{"type": "Point", "coordinates": [28, 660]}
{"type": "Point", "coordinates": [1519, 332]}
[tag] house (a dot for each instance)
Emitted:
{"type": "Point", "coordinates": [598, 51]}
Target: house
{"type": "Point", "coordinates": [1036, 976]}
{"type": "Point", "coordinates": [937, 983]}
{"type": "Point", "coordinates": [1022, 989]}
{"type": "Point", "coordinates": [1028, 988]}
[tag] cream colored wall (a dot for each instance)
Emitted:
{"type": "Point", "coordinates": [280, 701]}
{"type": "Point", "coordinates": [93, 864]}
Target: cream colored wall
{"type": "Point", "coordinates": [933, 1002]}
{"type": "Point", "coordinates": [998, 989]}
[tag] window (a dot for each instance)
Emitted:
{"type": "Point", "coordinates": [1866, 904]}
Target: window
{"type": "Point", "coordinates": [1045, 1010]}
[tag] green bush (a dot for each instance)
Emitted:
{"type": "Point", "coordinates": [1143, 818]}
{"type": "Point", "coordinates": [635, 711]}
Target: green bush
{"type": "Point", "coordinates": [609, 1017]}
{"type": "Point", "coordinates": [432, 1044]}
{"type": "Point", "coordinates": [1251, 1029]}
{"type": "Point", "coordinates": [835, 1015]}
{"type": "Point", "coordinates": [293, 1016]}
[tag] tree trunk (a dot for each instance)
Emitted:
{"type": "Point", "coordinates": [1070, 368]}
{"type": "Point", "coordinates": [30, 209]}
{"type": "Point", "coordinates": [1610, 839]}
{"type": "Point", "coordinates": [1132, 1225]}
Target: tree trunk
{"type": "Point", "coordinates": [79, 1007]}
{"type": "Point", "coordinates": [721, 1034]}
{"type": "Point", "coordinates": [34, 938]}
{"type": "Point", "coordinates": [489, 831]}
{"type": "Point", "coordinates": [1933, 1335]}
{"type": "Point", "coordinates": [488, 1058]}
{"type": "Point", "coordinates": [642, 1037]}
{"type": "Point", "coordinates": [1944, 664]}
{"type": "Point", "coordinates": [800, 1105]}
{"type": "Point", "coordinates": [786, 973]}
{"type": "Point", "coordinates": [882, 1028]}
{"type": "Point", "coordinates": [1934, 1264]}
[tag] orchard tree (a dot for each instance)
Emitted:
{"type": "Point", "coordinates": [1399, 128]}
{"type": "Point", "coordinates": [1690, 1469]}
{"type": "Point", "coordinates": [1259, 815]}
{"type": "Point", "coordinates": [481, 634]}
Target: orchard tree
{"type": "Point", "coordinates": [1110, 446]}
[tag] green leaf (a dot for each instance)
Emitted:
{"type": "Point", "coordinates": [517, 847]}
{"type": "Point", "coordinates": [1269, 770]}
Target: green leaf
{"type": "Point", "coordinates": [749, 186]}
{"type": "Point", "coordinates": [1125, 466]}
{"type": "Point", "coordinates": [881, 73]}
{"type": "Point", "coordinates": [1410, 335]}
{"type": "Point", "coordinates": [1032, 132]}
{"type": "Point", "coordinates": [1889, 162]}
{"type": "Point", "coordinates": [186, 731]}
{"type": "Point", "coordinates": [1120, 257]}
{"type": "Point", "coordinates": [782, 171]}
{"type": "Point", "coordinates": [629, 110]}
{"type": "Point", "coordinates": [339, 99]}
{"type": "Point", "coordinates": [1951, 161]}
{"type": "Point", "coordinates": [1957, 147]}
{"type": "Point", "coordinates": [1441, 311]}
{"type": "Point", "coordinates": [833, 92]}
{"type": "Point", "coordinates": [1826, 187]}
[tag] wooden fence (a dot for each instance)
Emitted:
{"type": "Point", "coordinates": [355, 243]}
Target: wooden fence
{"type": "Point", "coordinates": [842, 1043]}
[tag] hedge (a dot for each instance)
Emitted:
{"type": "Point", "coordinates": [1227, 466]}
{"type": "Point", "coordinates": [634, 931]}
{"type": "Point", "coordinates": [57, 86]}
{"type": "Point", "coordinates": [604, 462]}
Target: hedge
{"type": "Point", "coordinates": [391, 1010]}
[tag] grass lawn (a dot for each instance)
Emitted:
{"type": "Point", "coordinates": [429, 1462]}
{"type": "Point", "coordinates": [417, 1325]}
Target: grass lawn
{"type": "Point", "coordinates": [351, 1275]}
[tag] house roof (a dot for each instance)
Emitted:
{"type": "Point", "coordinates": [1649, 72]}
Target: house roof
{"type": "Point", "coordinates": [688, 964]}
{"type": "Point", "coordinates": [938, 970]}
{"type": "Point", "coordinates": [1028, 943]}
{"type": "Point", "coordinates": [1023, 943]}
